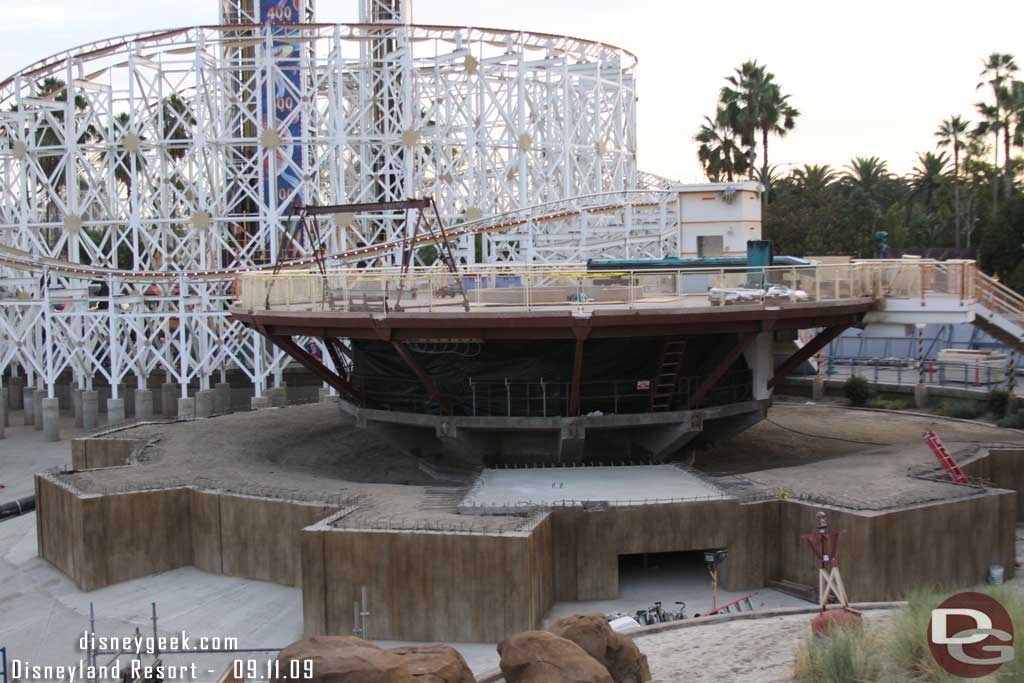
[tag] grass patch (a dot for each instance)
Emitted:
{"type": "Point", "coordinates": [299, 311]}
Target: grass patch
{"type": "Point", "coordinates": [898, 651]}
{"type": "Point", "coordinates": [846, 655]}
{"type": "Point", "coordinates": [966, 410]}
{"type": "Point", "coordinates": [888, 403]}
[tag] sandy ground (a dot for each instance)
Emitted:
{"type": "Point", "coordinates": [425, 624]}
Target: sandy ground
{"type": "Point", "coordinates": [750, 651]}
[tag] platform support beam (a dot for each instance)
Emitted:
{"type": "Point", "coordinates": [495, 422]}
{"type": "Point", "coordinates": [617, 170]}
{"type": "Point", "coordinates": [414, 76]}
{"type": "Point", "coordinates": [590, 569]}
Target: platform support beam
{"type": "Point", "coordinates": [577, 373]}
{"type": "Point", "coordinates": [820, 341]}
{"type": "Point", "coordinates": [722, 367]}
{"type": "Point", "coordinates": [424, 378]}
{"type": "Point", "coordinates": [300, 354]}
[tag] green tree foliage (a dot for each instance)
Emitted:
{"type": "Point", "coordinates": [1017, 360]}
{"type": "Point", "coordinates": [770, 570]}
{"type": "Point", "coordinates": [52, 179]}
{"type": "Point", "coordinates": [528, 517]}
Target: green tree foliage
{"type": "Point", "coordinates": [965, 193]}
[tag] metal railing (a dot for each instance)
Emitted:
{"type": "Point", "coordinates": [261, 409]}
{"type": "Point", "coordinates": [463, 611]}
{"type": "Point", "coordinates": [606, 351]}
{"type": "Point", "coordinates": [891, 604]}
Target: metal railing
{"type": "Point", "coordinates": [540, 287]}
{"type": "Point", "coordinates": [902, 371]}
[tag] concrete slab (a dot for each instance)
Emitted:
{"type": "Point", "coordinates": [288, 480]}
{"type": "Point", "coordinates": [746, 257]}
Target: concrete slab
{"type": "Point", "coordinates": [497, 490]}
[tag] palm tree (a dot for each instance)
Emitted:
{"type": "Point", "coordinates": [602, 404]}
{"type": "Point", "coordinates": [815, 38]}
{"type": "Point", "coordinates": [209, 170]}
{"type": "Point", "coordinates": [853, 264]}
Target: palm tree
{"type": "Point", "coordinates": [998, 73]}
{"type": "Point", "coordinates": [719, 153]}
{"type": "Point", "coordinates": [48, 136]}
{"type": "Point", "coordinates": [813, 178]}
{"type": "Point", "coordinates": [953, 133]}
{"type": "Point", "coordinates": [866, 173]}
{"type": "Point", "coordinates": [991, 123]}
{"type": "Point", "coordinates": [753, 104]}
{"type": "Point", "coordinates": [927, 176]}
{"type": "Point", "coordinates": [178, 121]}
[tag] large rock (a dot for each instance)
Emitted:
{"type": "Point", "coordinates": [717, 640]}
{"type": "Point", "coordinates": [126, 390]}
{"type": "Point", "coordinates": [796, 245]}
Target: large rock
{"type": "Point", "coordinates": [435, 664]}
{"type": "Point", "coordinates": [615, 652]}
{"type": "Point", "coordinates": [825, 622]}
{"type": "Point", "coordinates": [343, 659]}
{"type": "Point", "coordinates": [542, 657]}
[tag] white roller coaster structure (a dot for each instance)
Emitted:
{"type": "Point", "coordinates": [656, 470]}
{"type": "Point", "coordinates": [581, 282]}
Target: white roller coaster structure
{"type": "Point", "coordinates": [140, 174]}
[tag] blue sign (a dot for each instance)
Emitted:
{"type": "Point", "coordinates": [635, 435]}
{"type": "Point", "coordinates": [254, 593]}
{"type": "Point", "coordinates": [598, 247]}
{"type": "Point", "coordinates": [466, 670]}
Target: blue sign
{"type": "Point", "coordinates": [287, 95]}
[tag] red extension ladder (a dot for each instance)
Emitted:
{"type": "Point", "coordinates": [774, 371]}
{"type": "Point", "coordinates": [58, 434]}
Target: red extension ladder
{"type": "Point", "coordinates": [943, 456]}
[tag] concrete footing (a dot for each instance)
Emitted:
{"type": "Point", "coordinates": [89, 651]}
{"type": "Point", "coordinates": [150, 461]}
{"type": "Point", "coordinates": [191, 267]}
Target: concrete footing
{"type": "Point", "coordinates": [37, 409]}
{"type": "Point", "coordinates": [169, 393]}
{"type": "Point", "coordinates": [143, 404]}
{"type": "Point", "coordinates": [115, 411]}
{"type": "Point", "coordinates": [222, 398]}
{"type": "Point", "coordinates": [818, 389]}
{"type": "Point", "coordinates": [15, 390]}
{"type": "Point", "coordinates": [76, 405]}
{"type": "Point", "coordinates": [50, 409]}
{"type": "Point", "coordinates": [186, 408]}
{"type": "Point", "coordinates": [920, 396]}
{"type": "Point", "coordinates": [260, 402]}
{"type": "Point", "coordinates": [325, 395]}
{"type": "Point", "coordinates": [279, 396]}
{"type": "Point", "coordinates": [3, 411]}
{"type": "Point", "coordinates": [90, 409]}
{"type": "Point", "coordinates": [204, 402]}
{"type": "Point", "coordinates": [28, 404]}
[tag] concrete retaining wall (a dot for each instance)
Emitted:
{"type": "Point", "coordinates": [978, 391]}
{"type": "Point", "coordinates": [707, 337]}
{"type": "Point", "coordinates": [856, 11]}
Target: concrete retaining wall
{"type": "Point", "coordinates": [100, 540]}
{"type": "Point", "coordinates": [437, 586]}
{"type": "Point", "coordinates": [426, 586]}
{"type": "Point", "coordinates": [92, 453]}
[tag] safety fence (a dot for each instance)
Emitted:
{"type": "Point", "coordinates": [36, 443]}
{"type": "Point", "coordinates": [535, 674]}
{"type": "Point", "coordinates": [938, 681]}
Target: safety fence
{"type": "Point", "coordinates": [530, 287]}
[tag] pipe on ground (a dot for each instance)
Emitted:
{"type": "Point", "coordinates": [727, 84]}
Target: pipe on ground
{"type": "Point", "coordinates": [17, 507]}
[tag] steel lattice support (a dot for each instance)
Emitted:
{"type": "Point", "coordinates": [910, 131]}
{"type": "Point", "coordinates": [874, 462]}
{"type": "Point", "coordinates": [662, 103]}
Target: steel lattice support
{"type": "Point", "coordinates": [181, 151]}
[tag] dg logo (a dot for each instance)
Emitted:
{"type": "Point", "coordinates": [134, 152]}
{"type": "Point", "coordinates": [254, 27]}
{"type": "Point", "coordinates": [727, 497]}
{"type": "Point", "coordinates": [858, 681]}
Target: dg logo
{"type": "Point", "coordinates": [971, 635]}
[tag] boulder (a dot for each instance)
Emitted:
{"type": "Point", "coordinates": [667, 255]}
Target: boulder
{"type": "Point", "coordinates": [822, 624]}
{"type": "Point", "coordinates": [614, 651]}
{"type": "Point", "coordinates": [542, 657]}
{"type": "Point", "coordinates": [589, 631]}
{"type": "Point", "coordinates": [626, 663]}
{"type": "Point", "coordinates": [343, 659]}
{"type": "Point", "coordinates": [435, 664]}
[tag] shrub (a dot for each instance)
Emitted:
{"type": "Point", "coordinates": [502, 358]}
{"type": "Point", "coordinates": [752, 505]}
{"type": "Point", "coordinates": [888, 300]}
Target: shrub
{"type": "Point", "coordinates": [966, 410]}
{"type": "Point", "coordinates": [844, 656]}
{"type": "Point", "coordinates": [997, 400]}
{"type": "Point", "coordinates": [857, 390]}
{"type": "Point", "coordinates": [889, 404]}
{"type": "Point", "coordinates": [1014, 421]}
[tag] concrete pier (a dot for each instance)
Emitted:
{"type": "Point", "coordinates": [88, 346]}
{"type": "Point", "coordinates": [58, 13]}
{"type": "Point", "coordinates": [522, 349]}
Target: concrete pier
{"type": "Point", "coordinates": [204, 402]}
{"type": "Point", "coordinates": [115, 411]}
{"type": "Point", "coordinates": [187, 408]}
{"type": "Point", "coordinates": [28, 404]}
{"type": "Point", "coordinates": [50, 409]}
{"type": "Point", "coordinates": [144, 404]}
{"type": "Point", "coordinates": [222, 400]}
{"type": "Point", "coordinates": [76, 405]}
{"type": "Point", "coordinates": [170, 392]}
{"type": "Point", "coordinates": [260, 402]}
{"type": "Point", "coordinates": [818, 389]}
{"type": "Point", "coordinates": [37, 409]}
{"type": "Point", "coordinates": [3, 411]}
{"type": "Point", "coordinates": [279, 396]}
{"type": "Point", "coordinates": [920, 396]}
{"type": "Point", "coordinates": [15, 391]}
{"type": "Point", "coordinates": [90, 409]}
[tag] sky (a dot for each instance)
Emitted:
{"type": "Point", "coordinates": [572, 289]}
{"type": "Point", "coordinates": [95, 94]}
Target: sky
{"type": "Point", "coordinates": [869, 77]}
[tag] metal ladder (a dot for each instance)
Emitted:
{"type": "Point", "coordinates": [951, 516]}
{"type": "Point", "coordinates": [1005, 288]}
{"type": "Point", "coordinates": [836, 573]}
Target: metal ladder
{"type": "Point", "coordinates": [666, 376]}
{"type": "Point", "coordinates": [943, 456]}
